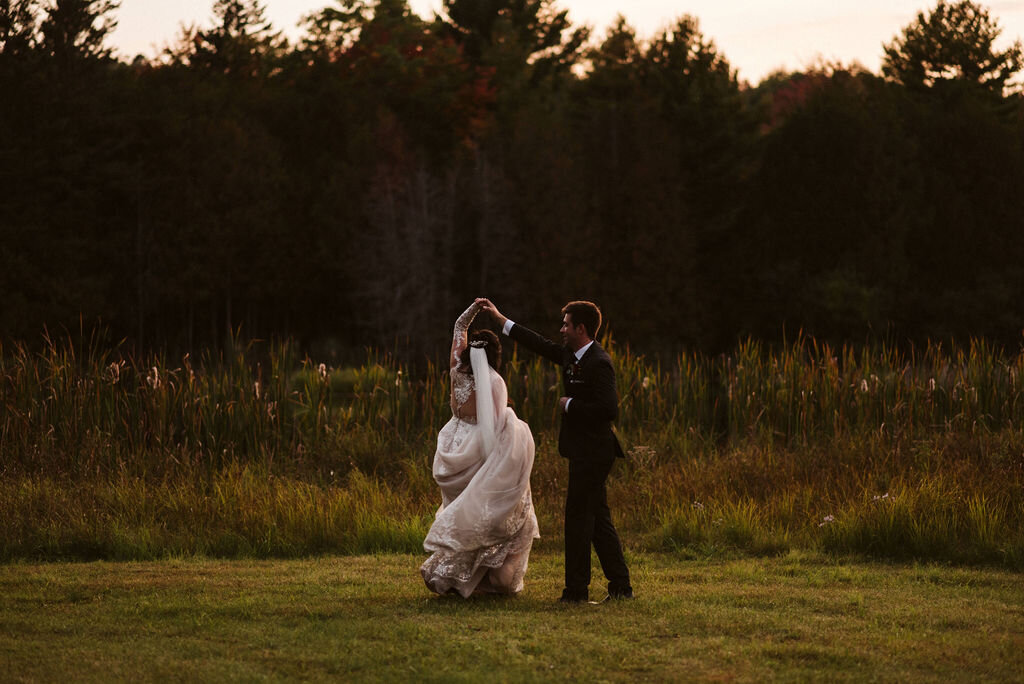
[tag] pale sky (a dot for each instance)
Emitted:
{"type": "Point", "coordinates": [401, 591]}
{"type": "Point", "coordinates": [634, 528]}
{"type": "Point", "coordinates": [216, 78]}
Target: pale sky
{"type": "Point", "coordinates": [756, 36]}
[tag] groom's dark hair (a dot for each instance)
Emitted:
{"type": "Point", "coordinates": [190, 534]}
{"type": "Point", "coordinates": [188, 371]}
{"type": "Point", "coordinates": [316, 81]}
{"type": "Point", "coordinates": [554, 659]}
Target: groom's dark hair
{"type": "Point", "coordinates": [586, 313]}
{"type": "Point", "coordinates": [491, 345]}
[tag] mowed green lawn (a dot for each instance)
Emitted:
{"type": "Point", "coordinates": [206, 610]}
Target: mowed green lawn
{"type": "Point", "coordinates": [366, 618]}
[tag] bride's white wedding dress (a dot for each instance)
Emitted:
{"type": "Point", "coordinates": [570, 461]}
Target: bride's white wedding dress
{"type": "Point", "coordinates": [481, 537]}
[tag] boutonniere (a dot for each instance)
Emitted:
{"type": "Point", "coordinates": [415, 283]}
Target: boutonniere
{"type": "Point", "coordinates": [573, 369]}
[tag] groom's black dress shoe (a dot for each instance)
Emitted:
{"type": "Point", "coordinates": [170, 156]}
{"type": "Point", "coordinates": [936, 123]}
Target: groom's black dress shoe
{"type": "Point", "coordinates": [573, 597]}
{"type": "Point", "coordinates": [618, 595]}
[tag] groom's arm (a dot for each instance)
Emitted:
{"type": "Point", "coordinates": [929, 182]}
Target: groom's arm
{"type": "Point", "coordinates": [536, 343]}
{"type": "Point", "coordinates": [523, 335]}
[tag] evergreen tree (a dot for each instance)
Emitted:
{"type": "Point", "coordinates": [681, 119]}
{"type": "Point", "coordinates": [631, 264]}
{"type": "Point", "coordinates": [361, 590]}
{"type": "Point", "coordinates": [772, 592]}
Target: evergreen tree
{"type": "Point", "coordinates": [75, 31]}
{"type": "Point", "coordinates": [955, 42]}
{"type": "Point", "coordinates": [519, 39]}
{"type": "Point", "coordinates": [333, 29]}
{"type": "Point", "coordinates": [241, 43]}
{"type": "Point", "coordinates": [701, 100]}
{"type": "Point", "coordinates": [19, 24]}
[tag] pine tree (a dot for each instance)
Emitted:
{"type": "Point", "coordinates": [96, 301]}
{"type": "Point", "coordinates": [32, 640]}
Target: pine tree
{"type": "Point", "coordinates": [75, 31]}
{"type": "Point", "coordinates": [242, 43]}
{"type": "Point", "coordinates": [955, 42]}
{"type": "Point", "coordinates": [19, 24]}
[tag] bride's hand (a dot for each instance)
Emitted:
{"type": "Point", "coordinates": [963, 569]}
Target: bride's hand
{"type": "Point", "coordinates": [489, 307]}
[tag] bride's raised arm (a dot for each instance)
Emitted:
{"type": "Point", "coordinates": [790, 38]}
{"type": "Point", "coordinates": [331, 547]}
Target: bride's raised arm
{"type": "Point", "coordinates": [462, 324]}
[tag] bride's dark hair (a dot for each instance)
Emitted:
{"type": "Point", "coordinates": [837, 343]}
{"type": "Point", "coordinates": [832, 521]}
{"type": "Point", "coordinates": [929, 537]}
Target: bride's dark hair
{"type": "Point", "coordinates": [489, 341]}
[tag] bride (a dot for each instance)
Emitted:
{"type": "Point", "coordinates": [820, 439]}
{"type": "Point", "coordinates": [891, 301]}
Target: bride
{"type": "Point", "coordinates": [482, 534]}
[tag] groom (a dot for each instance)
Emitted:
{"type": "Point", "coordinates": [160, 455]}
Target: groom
{"type": "Point", "coordinates": [586, 439]}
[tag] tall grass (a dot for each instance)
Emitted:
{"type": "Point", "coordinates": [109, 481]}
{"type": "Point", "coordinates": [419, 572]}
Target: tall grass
{"type": "Point", "coordinates": [260, 451]}
{"type": "Point", "coordinates": [240, 511]}
{"type": "Point", "coordinates": [95, 410]}
{"type": "Point", "coordinates": [811, 391]}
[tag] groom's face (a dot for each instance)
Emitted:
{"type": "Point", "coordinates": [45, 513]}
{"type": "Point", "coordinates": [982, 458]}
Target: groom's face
{"type": "Point", "coordinates": [572, 335]}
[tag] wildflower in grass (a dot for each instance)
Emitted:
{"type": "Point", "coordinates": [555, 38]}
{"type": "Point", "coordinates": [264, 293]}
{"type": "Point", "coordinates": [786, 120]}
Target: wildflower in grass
{"type": "Point", "coordinates": [827, 520]}
{"type": "Point", "coordinates": [256, 389]}
{"type": "Point", "coordinates": [398, 378]}
{"type": "Point", "coordinates": [643, 457]}
{"type": "Point", "coordinates": [931, 384]}
{"type": "Point", "coordinates": [646, 382]}
{"type": "Point", "coordinates": [880, 498]}
{"type": "Point", "coordinates": [114, 372]}
{"type": "Point", "coordinates": [698, 505]}
{"type": "Point", "coordinates": [322, 370]}
{"type": "Point", "coordinates": [864, 386]}
{"type": "Point", "coordinates": [153, 379]}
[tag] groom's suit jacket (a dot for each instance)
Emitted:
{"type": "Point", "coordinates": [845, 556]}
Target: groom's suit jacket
{"type": "Point", "coordinates": [586, 431]}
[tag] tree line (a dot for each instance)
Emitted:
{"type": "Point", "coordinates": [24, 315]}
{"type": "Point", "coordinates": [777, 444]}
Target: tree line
{"type": "Point", "coordinates": [361, 184]}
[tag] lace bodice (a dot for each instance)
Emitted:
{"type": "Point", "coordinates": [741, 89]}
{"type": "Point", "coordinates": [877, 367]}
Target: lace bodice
{"type": "Point", "coordinates": [462, 389]}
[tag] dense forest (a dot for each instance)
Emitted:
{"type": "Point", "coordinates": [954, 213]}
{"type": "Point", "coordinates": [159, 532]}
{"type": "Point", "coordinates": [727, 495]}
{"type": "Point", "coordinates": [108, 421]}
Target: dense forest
{"type": "Point", "coordinates": [359, 185]}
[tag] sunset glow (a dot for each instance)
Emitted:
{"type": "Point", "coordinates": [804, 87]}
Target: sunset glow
{"type": "Point", "coordinates": [757, 36]}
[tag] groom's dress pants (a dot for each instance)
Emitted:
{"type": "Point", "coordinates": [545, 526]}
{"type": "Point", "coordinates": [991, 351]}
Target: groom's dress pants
{"type": "Point", "coordinates": [588, 521]}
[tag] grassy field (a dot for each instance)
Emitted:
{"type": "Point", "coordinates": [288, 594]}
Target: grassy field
{"type": "Point", "coordinates": [254, 515]}
{"type": "Point", "coordinates": [369, 618]}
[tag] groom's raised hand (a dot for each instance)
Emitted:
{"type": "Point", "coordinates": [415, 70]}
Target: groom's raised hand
{"type": "Point", "coordinates": [489, 307]}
